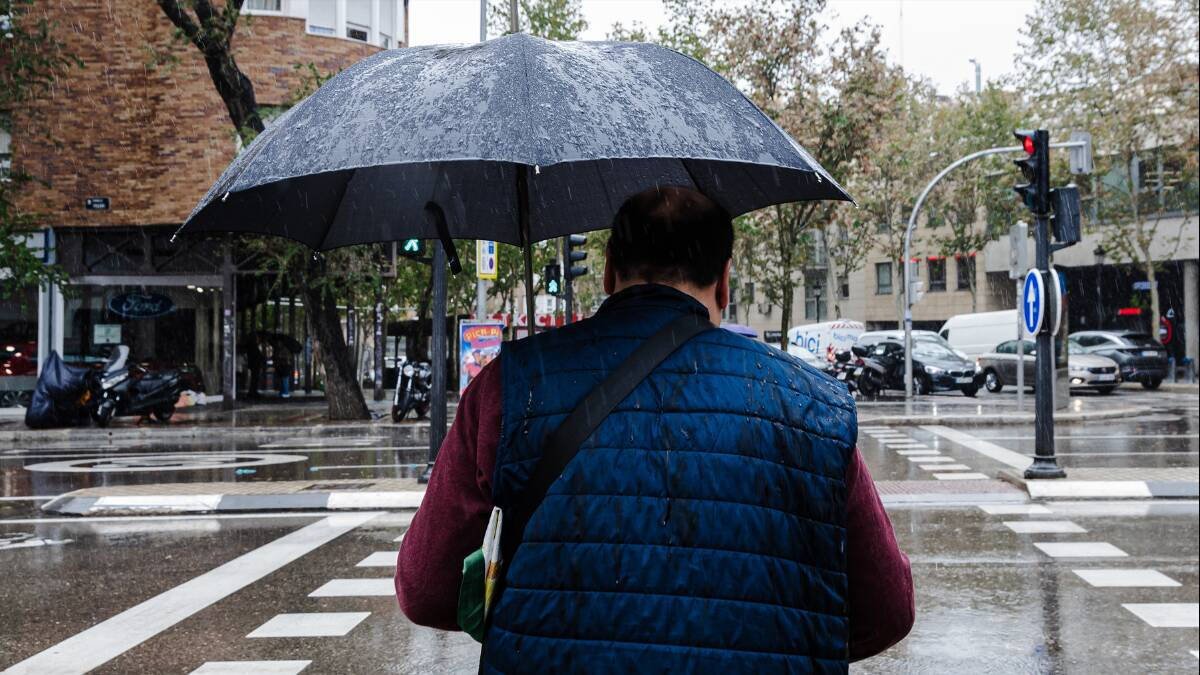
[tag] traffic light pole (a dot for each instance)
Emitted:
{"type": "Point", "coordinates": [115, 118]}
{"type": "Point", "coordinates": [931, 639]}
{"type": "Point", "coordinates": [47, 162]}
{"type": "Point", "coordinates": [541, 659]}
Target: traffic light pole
{"type": "Point", "coordinates": [912, 226]}
{"type": "Point", "coordinates": [1044, 463]}
{"type": "Point", "coordinates": [568, 285]}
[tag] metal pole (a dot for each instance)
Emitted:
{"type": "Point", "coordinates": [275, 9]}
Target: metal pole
{"type": "Point", "coordinates": [228, 330]}
{"type": "Point", "coordinates": [437, 411]}
{"type": "Point", "coordinates": [568, 284]}
{"type": "Point", "coordinates": [480, 284]}
{"type": "Point", "coordinates": [379, 346]}
{"type": "Point", "coordinates": [912, 225]}
{"type": "Point", "coordinates": [514, 25]}
{"type": "Point", "coordinates": [526, 241]}
{"type": "Point", "coordinates": [1020, 352]}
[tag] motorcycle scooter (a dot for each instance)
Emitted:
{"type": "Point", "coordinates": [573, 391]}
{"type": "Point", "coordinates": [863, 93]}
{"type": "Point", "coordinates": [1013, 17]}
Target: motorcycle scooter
{"type": "Point", "coordinates": [121, 389]}
{"type": "Point", "coordinates": [413, 386]}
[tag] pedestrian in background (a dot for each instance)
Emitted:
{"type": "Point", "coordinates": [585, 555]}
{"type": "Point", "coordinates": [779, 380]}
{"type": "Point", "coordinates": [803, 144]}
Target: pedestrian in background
{"type": "Point", "coordinates": [719, 519]}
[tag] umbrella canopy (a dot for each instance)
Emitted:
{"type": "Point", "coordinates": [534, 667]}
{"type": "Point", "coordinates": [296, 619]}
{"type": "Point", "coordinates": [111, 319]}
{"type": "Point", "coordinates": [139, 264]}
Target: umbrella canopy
{"type": "Point", "coordinates": [516, 139]}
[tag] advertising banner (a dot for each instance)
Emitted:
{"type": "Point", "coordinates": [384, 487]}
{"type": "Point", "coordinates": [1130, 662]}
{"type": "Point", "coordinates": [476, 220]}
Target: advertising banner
{"type": "Point", "coordinates": [478, 343]}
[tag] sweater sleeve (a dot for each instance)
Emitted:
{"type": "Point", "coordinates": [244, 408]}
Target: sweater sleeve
{"type": "Point", "coordinates": [454, 513]}
{"type": "Point", "coordinates": [882, 608]}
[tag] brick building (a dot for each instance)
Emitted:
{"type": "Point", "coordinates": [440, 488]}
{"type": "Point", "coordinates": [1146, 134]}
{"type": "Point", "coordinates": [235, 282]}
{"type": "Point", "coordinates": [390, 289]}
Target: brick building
{"type": "Point", "coordinates": [126, 147]}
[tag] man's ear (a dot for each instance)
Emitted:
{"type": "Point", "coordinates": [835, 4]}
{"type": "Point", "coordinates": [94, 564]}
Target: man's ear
{"type": "Point", "coordinates": [610, 276]}
{"type": "Point", "coordinates": [723, 286]}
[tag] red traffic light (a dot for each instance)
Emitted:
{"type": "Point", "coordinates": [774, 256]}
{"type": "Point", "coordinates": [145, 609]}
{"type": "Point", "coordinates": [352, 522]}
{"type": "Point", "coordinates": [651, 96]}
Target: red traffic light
{"type": "Point", "coordinates": [1027, 143]}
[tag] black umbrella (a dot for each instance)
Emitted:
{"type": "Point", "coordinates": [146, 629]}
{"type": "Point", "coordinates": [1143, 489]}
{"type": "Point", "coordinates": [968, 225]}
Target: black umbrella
{"type": "Point", "coordinates": [516, 139]}
{"type": "Point", "coordinates": [281, 341]}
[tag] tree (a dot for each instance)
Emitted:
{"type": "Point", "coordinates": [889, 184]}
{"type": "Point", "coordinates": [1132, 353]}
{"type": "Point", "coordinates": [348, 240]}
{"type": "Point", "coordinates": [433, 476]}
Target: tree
{"type": "Point", "coordinates": [550, 19]}
{"type": "Point", "coordinates": [211, 29]}
{"type": "Point", "coordinates": [30, 60]}
{"type": "Point", "coordinates": [975, 204]}
{"type": "Point", "coordinates": [1125, 71]}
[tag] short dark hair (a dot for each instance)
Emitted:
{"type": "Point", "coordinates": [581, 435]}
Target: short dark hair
{"type": "Point", "coordinates": [671, 234]}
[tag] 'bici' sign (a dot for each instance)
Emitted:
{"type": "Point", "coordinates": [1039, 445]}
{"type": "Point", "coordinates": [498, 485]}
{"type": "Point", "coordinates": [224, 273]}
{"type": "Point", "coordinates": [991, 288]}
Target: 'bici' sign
{"type": "Point", "coordinates": [140, 305]}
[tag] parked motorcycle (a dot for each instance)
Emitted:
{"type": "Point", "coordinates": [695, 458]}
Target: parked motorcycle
{"type": "Point", "coordinates": [122, 389]}
{"type": "Point", "coordinates": [845, 369]}
{"type": "Point", "coordinates": [935, 368]}
{"type": "Point", "coordinates": [61, 397]}
{"type": "Point", "coordinates": [413, 386]}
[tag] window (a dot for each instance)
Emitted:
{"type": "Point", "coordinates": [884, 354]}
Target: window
{"type": "Point", "coordinates": [937, 274]}
{"type": "Point", "coordinates": [322, 17]}
{"type": "Point", "coordinates": [966, 273]}
{"type": "Point", "coordinates": [265, 5]}
{"type": "Point", "coordinates": [358, 19]}
{"type": "Point", "coordinates": [814, 301]}
{"type": "Point", "coordinates": [843, 287]}
{"type": "Point", "coordinates": [5, 149]}
{"type": "Point", "coordinates": [387, 23]}
{"type": "Point", "coordinates": [883, 278]}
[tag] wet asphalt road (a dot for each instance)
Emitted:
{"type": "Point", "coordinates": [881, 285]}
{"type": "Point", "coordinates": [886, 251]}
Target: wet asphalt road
{"type": "Point", "coordinates": [989, 599]}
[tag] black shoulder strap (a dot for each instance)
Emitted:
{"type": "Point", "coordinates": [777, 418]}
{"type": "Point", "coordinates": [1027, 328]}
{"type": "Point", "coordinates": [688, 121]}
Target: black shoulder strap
{"type": "Point", "coordinates": [562, 444]}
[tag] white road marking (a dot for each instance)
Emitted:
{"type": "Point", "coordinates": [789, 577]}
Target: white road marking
{"type": "Point", "coordinates": [399, 539]}
{"type": "Point", "coordinates": [906, 453]}
{"type": "Point", "coordinates": [1128, 508]}
{"type": "Point", "coordinates": [40, 498]}
{"type": "Point", "coordinates": [311, 624]}
{"type": "Point", "coordinates": [344, 588]}
{"type": "Point", "coordinates": [1080, 549]}
{"type": "Point", "coordinates": [316, 443]}
{"type": "Point", "coordinates": [251, 668]}
{"type": "Point", "coordinates": [1167, 614]}
{"type": "Point", "coordinates": [960, 476]}
{"type": "Point", "coordinates": [1014, 509]}
{"type": "Point", "coordinates": [399, 499]}
{"type": "Point", "coordinates": [379, 559]}
{"type": "Point", "coordinates": [996, 452]}
{"type": "Point", "coordinates": [1087, 488]}
{"type": "Point", "coordinates": [930, 458]}
{"type": "Point", "coordinates": [903, 445]}
{"type": "Point", "coordinates": [305, 451]}
{"type": "Point", "coordinates": [1088, 437]}
{"type": "Point", "coordinates": [111, 638]}
{"type": "Point", "coordinates": [1043, 527]}
{"type": "Point", "coordinates": [331, 467]}
{"type": "Point", "coordinates": [945, 467]}
{"type": "Point", "coordinates": [1128, 578]}
{"type": "Point", "coordinates": [117, 519]}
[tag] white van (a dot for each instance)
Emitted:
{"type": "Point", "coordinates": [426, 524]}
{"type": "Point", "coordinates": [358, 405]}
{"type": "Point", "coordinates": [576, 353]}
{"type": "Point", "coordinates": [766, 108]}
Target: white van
{"type": "Point", "coordinates": [975, 334]}
{"type": "Point", "coordinates": [824, 339]}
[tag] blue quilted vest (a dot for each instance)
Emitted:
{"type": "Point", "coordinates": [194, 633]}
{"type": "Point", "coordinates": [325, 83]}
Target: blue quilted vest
{"type": "Point", "coordinates": [702, 526]}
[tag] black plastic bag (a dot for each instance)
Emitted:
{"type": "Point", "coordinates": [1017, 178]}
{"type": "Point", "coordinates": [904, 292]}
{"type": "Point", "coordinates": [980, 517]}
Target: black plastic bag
{"type": "Point", "coordinates": [57, 396]}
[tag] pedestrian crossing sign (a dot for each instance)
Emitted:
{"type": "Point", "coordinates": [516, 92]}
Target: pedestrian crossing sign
{"type": "Point", "coordinates": [485, 259]}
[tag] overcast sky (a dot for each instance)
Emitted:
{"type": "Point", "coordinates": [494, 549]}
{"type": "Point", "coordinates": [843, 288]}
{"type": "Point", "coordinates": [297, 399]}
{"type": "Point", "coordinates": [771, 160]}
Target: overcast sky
{"type": "Point", "coordinates": [935, 38]}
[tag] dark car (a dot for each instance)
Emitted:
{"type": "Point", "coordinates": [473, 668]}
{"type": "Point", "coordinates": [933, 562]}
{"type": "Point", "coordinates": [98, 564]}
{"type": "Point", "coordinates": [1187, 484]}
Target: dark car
{"type": "Point", "coordinates": [935, 368]}
{"type": "Point", "coordinates": [1140, 357]}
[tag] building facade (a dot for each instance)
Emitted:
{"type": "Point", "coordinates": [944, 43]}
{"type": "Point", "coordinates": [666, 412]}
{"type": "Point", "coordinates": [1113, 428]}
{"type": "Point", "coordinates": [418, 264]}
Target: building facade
{"type": "Point", "coordinates": [125, 147]}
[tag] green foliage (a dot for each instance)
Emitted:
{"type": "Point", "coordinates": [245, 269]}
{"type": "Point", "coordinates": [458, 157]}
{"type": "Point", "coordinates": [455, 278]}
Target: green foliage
{"type": "Point", "coordinates": [31, 58]}
{"type": "Point", "coordinates": [550, 19]}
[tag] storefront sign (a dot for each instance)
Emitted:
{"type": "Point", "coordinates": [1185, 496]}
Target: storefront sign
{"type": "Point", "coordinates": [478, 344]}
{"type": "Point", "coordinates": [106, 334]}
{"type": "Point", "coordinates": [96, 203]}
{"type": "Point", "coordinates": [140, 305]}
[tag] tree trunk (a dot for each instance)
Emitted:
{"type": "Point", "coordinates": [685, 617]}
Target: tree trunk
{"type": "Point", "coordinates": [416, 350]}
{"type": "Point", "coordinates": [342, 393]}
{"type": "Point", "coordinates": [789, 292]}
{"type": "Point", "coordinates": [1152, 277]}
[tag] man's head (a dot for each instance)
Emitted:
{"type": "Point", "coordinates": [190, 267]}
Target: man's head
{"type": "Point", "coordinates": [672, 236]}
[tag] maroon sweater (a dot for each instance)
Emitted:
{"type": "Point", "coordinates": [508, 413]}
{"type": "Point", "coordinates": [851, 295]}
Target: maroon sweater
{"type": "Point", "coordinates": [450, 524]}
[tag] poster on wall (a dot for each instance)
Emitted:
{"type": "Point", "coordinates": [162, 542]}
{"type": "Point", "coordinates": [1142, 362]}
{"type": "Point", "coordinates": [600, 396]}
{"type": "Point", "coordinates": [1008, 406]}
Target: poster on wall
{"type": "Point", "coordinates": [478, 343]}
{"type": "Point", "coordinates": [106, 334]}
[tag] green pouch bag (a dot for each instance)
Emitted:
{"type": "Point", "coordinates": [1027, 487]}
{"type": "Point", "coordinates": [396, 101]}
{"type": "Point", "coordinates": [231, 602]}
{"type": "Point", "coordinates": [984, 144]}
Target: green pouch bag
{"type": "Point", "coordinates": [471, 612]}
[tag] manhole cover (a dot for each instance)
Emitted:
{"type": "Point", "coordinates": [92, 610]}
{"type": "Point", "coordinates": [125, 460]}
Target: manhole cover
{"type": "Point", "coordinates": [336, 486]}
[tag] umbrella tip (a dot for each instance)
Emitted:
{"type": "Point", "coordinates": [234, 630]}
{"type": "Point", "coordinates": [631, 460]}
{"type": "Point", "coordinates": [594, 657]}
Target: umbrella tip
{"type": "Point", "coordinates": [536, 169]}
{"type": "Point", "coordinates": [224, 197]}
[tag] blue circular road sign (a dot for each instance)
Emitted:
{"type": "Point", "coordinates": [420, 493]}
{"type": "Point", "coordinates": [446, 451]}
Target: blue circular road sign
{"type": "Point", "coordinates": [1033, 302]}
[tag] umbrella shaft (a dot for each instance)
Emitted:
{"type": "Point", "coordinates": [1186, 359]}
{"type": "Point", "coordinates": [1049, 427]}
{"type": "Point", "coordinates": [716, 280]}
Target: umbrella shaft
{"type": "Point", "coordinates": [526, 240]}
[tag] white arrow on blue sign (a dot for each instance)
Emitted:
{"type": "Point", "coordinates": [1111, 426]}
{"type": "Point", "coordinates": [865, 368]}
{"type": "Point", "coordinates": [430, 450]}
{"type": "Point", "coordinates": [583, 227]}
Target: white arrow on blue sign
{"type": "Point", "coordinates": [1033, 302]}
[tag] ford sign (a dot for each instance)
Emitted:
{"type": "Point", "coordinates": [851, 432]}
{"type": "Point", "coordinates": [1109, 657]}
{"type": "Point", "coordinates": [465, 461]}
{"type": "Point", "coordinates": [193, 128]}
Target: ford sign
{"type": "Point", "coordinates": [140, 305]}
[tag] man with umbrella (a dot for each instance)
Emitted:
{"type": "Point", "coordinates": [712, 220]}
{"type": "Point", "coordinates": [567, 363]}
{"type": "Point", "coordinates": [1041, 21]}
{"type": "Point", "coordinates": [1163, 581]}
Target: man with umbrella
{"type": "Point", "coordinates": [673, 497]}
{"type": "Point", "coordinates": [720, 517]}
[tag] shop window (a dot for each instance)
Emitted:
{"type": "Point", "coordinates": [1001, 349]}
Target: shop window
{"type": "Point", "coordinates": [883, 278]}
{"type": "Point", "coordinates": [18, 347]}
{"type": "Point", "coordinates": [937, 274]}
{"type": "Point", "coordinates": [966, 273]}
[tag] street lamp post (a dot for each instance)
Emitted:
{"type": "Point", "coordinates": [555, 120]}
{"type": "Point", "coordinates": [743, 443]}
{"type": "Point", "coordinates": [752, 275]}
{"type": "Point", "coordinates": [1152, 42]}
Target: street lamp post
{"type": "Point", "coordinates": [1100, 254]}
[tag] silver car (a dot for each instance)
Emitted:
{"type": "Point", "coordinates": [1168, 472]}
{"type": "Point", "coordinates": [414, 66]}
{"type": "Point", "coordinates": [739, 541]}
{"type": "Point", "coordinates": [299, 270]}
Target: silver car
{"type": "Point", "coordinates": [1085, 371]}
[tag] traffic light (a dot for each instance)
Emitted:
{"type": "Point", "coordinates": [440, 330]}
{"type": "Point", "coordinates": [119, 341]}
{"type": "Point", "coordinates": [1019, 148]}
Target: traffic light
{"type": "Point", "coordinates": [553, 277]}
{"type": "Point", "coordinates": [1036, 169]}
{"type": "Point", "coordinates": [412, 248]}
{"type": "Point", "coordinates": [575, 241]}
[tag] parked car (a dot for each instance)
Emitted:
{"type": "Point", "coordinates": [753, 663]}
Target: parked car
{"type": "Point", "coordinates": [1085, 371]}
{"type": "Point", "coordinates": [1140, 357]}
{"type": "Point", "coordinates": [876, 336]}
{"type": "Point", "coordinates": [935, 368]}
{"type": "Point", "coordinates": [978, 333]}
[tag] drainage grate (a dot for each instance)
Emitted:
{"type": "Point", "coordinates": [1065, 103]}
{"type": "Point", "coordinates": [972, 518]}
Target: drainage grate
{"type": "Point", "coordinates": [326, 487]}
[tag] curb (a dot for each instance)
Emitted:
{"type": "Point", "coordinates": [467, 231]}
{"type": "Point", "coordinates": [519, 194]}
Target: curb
{"type": "Point", "coordinates": [225, 503]}
{"type": "Point", "coordinates": [999, 418]}
{"type": "Point", "coordinates": [1066, 488]}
